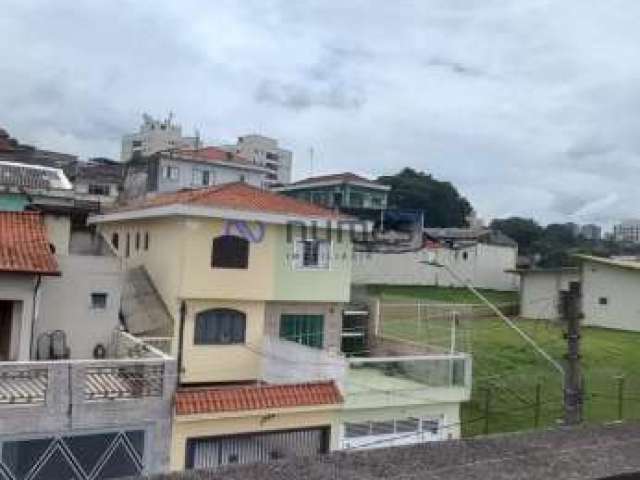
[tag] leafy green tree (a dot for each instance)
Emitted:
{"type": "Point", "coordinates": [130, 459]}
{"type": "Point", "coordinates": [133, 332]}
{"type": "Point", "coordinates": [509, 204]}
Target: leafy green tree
{"type": "Point", "coordinates": [525, 231]}
{"type": "Point", "coordinates": [441, 203]}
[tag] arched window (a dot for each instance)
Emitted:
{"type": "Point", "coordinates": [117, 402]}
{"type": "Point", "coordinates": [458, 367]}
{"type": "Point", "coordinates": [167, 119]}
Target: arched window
{"type": "Point", "coordinates": [229, 251]}
{"type": "Point", "coordinates": [115, 240]}
{"type": "Point", "coordinates": [220, 326]}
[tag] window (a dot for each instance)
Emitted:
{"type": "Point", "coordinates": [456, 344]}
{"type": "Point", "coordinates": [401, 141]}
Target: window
{"type": "Point", "coordinates": [127, 247]}
{"type": "Point", "coordinates": [303, 329]}
{"type": "Point", "coordinates": [137, 241]}
{"type": "Point", "coordinates": [312, 253]}
{"type": "Point", "coordinates": [146, 240]}
{"type": "Point", "coordinates": [115, 240]}
{"type": "Point", "coordinates": [243, 179]}
{"type": "Point", "coordinates": [229, 251]}
{"type": "Point", "coordinates": [200, 177]}
{"type": "Point", "coordinates": [465, 255]}
{"type": "Point", "coordinates": [355, 430]}
{"type": "Point", "coordinates": [97, 189]}
{"type": "Point", "coordinates": [220, 326]}
{"type": "Point", "coordinates": [603, 301]}
{"type": "Point", "coordinates": [99, 300]}
{"type": "Point", "coordinates": [170, 172]}
{"type": "Point", "coordinates": [356, 200]}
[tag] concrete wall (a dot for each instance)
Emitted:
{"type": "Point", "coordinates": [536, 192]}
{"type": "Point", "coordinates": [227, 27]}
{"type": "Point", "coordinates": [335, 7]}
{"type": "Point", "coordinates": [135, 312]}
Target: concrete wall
{"type": "Point", "coordinates": [67, 411]}
{"type": "Point", "coordinates": [19, 288]}
{"type": "Point", "coordinates": [197, 426]}
{"type": "Point", "coordinates": [66, 302]}
{"type": "Point", "coordinates": [59, 232]}
{"type": "Point", "coordinates": [483, 265]}
{"type": "Point", "coordinates": [619, 287]}
{"type": "Point", "coordinates": [540, 293]}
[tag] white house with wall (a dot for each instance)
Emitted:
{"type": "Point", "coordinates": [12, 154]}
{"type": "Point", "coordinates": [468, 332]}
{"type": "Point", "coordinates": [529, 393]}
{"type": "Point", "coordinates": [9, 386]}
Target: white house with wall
{"type": "Point", "coordinates": [610, 293]}
{"type": "Point", "coordinates": [483, 265]}
{"type": "Point", "coordinates": [540, 291]}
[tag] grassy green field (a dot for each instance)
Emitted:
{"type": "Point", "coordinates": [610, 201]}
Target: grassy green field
{"type": "Point", "coordinates": [507, 369]}
{"type": "Point", "coordinates": [441, 294]}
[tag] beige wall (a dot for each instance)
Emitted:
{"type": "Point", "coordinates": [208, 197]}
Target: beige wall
{"type": "Point", "coordinates": [199, 426]}
{"type": "Point", "coordinates": [223, 363]}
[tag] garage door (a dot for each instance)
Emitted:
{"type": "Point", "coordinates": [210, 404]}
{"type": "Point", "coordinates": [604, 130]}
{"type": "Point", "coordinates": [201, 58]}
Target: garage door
{"type": "Point", "coordinates": [214, 452]}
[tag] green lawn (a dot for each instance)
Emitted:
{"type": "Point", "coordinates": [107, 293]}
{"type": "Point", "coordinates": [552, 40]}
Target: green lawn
{"type": "Point", "coordinates": [506, 367]}
{"type": "Point", "coordinates": [440, 294]}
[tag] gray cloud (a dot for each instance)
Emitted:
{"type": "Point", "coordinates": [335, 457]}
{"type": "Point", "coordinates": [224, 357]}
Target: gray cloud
{"type": "Point", "coordinates": [530, 107]}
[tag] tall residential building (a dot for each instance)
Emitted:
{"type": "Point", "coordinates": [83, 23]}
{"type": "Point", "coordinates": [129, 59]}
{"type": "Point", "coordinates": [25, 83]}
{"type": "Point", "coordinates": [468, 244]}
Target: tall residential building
{"type": "Point", "coordinates": [265, 151]}
{"type": "Point", "coordinates": [154, 136]}
{"type": "Point", "coordinates": [591, 231]}
{"type": "Point", "coordinates": [627, 231]}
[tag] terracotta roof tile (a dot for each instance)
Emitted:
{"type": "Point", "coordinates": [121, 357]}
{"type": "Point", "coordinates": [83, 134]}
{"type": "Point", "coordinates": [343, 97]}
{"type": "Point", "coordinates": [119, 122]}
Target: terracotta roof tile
{"type": "Point", "coordinates": [236, 196]}
{"type": "Point", "coordinates": [342, 177]}
{"type": "Point", "coordinates": [212, 154]}
{"type": "Point", "coordinates": [24, 246]}
{"type": "Point", "coordinates": [193, 401]}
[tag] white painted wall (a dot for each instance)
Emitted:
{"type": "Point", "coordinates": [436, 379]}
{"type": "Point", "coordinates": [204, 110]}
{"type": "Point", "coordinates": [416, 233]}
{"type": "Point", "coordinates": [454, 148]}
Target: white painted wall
{"type": "Point", "coordinates": [219, 174]}
{"type": "Point", "coordinates": [66, 302]}
{"type": "Point", "coordinates": [540, 293]}
{"type": "Point", "coordinates": [621, 289]}
{"type": "Point", "coordinates": [448, 415]}
{"type": "Point", "coordinates": [483, 265]}
{"type": "Point", "coordinates": [19, 288]}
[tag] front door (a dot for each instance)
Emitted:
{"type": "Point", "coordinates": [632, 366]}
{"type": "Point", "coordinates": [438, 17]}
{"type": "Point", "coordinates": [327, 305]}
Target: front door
{"type": "Point", "coordinates": [5, 329]}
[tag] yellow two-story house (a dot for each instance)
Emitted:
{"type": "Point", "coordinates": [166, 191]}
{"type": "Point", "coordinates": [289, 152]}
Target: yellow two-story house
{"type": "Point", "coordinates": [254, 283]}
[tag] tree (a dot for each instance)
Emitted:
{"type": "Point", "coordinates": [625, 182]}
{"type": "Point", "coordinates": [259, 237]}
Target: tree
{"type": "Point", "coordinates": [440, 202]}
{"type": "Point", "coordinates": [525, 231]}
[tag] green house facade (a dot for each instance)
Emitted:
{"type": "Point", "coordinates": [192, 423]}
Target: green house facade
{"type": "Point", "coordinates": [345, 191]}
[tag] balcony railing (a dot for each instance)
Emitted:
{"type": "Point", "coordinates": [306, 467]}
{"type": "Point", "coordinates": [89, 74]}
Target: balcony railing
{"type": "Point", "coordinates": [135, 371]}
{"type": "Point", "coordinates": [384, 381]}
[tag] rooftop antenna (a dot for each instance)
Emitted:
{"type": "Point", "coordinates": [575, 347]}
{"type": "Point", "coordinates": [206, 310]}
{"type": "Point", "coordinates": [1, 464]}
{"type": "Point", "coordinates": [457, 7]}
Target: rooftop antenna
{"type": "Point", "coordinates": [311, 161]}
{"type": "Point", "coordinates": [197, 144]}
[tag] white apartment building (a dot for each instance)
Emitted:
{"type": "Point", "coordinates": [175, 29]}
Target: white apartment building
{"type": "Point", "coordinates": [627, 231]}
{"type": "Point", "coordinates": [265, 151]}
{"type": "Point", "coordinates": [154, 136]}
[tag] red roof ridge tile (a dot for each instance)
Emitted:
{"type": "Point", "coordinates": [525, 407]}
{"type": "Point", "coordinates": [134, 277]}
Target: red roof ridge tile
{"type": "Point", "coordinates": [191, 401]}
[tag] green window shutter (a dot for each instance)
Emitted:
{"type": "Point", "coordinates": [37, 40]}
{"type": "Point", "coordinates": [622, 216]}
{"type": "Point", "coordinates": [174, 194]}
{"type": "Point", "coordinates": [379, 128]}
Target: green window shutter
{"type": "Point", "coordinates": [304, 329]}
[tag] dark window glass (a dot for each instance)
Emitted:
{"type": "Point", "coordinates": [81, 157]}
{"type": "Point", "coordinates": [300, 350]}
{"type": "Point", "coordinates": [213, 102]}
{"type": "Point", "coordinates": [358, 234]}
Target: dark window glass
{"type": "Point", "coordinates": [304, 329]}
{"type": "Point", "coordinates": [146, 240]}
{"type": "Point", "coordinates": [99, 300]}
{"type": "Point", "coordinates": [355, 430]}
{"type": "Point", "coordinates": [115, 240]}
{"type": "Point", "coordinates": [407, 425]}
{"type": "Point", "coordinates": [229, 251]}
{"type": "Point", "coordinates": [220, 326]}
{"type": "Point", "coordinates": [603, 301]}
{"type": "Point", "coordinates": [127, 247]}
{"type": "Point", "coordinates": [137, 240]}
{"type": "Point", "coordinates": [382, 428]}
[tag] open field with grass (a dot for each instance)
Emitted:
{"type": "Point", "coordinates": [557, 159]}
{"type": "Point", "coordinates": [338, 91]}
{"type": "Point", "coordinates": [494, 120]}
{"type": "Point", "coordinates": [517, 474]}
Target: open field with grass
{"type": "Point", "coordinates": [441, 294]}
{"type": "Point", "coordinates": [516, 379]}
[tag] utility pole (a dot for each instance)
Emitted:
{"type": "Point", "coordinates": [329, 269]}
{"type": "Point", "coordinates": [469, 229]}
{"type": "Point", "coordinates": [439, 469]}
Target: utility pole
{"type": "Point", "coordinates": [573, 387]}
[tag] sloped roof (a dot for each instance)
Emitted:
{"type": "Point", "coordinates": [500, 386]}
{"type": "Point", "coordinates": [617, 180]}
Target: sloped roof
{"type": "Point", "coordinates": [234, 196]}
{"type": "Point", "coordinates": [215, 155]}
{"type": "Point", "coordinates": [24, 246]}
{"type": "Point", "coordinates": [255, 397]}
{"type": "Point", "coordinates": [629, 264]}
{"type": "Point", "coordinates": [346, 177]}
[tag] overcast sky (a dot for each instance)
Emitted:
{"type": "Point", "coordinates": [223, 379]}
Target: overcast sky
{"type": "Point", "coordinates": [530, 107]}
